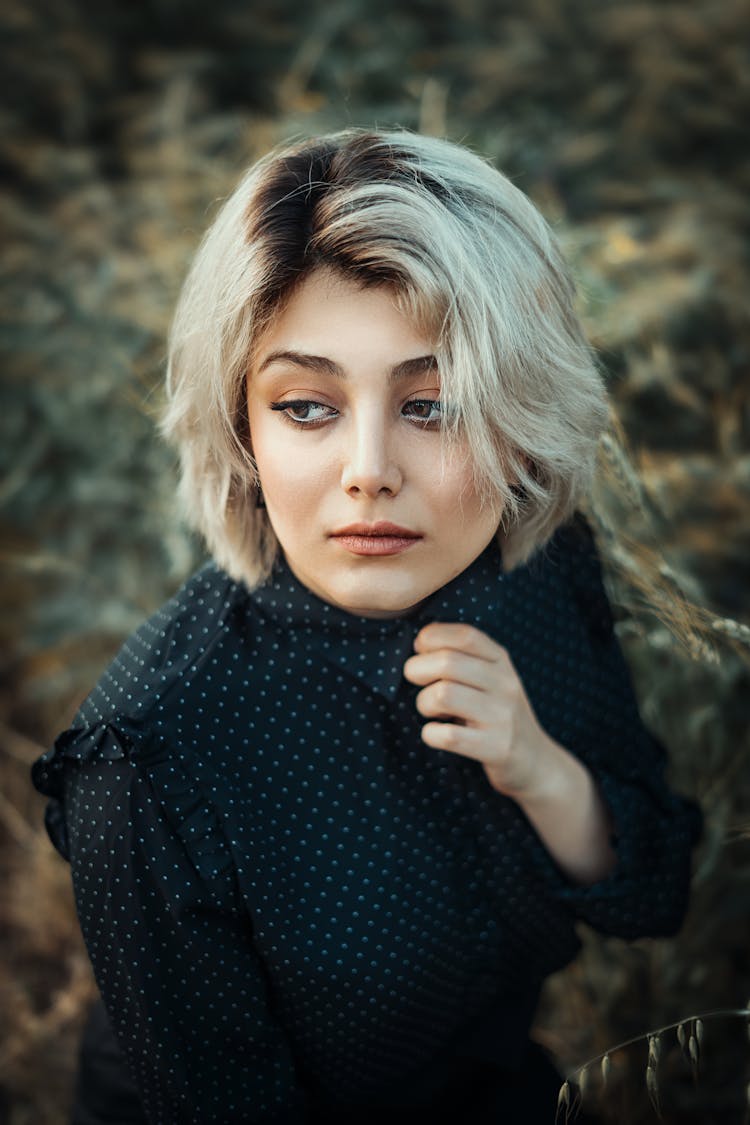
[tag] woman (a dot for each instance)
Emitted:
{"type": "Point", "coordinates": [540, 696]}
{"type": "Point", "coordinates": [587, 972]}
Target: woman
{"type": "Point", "coordinates": [334, 811]}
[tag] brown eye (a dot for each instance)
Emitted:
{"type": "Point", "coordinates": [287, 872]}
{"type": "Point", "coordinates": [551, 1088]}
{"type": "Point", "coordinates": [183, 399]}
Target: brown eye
{"type": "Point", "coordinates": [423, 409]}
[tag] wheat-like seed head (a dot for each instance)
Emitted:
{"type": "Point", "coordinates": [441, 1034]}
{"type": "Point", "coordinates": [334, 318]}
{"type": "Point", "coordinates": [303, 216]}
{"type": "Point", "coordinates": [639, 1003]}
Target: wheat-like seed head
{"type": "Point", "coordinates": [563, 1102]}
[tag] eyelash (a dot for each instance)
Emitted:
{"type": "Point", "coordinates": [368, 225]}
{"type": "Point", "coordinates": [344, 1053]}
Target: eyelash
{"type": "Point", "coordinates": [297, 403]}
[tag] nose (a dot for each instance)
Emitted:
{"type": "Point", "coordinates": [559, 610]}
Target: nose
{"type": "Point", "coordinates": [370, 464]}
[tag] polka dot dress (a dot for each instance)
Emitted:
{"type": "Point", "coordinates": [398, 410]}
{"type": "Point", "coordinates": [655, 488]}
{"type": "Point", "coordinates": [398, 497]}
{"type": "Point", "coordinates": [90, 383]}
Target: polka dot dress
{"type": "Point", "coordinates": [288, 898]}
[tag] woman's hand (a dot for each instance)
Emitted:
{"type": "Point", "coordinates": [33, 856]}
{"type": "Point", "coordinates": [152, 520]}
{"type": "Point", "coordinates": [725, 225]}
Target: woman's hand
{"type": "Point", "coordinates": [471, 682]}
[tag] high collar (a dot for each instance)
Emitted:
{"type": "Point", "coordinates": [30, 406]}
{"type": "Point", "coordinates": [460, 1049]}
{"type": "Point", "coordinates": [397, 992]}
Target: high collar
{"type": "Point", "coordinates": [371, 649]}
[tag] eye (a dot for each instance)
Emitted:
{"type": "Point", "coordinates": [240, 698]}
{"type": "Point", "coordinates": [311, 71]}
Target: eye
{"type": "Point", "coordinates": [304, 411]}
{"type": "Point", "coordinates": [425, 410]}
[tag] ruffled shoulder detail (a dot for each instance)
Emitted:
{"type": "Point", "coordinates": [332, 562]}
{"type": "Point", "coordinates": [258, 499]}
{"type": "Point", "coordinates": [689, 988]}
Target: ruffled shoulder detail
{"type": "Point", "coordinates": [124, 719]}
{"type": "Point", "coordinates": [196, 821]}
{"type": "Point", "coordinates": [188, 811]}
{"type": "Point", "coordinates": [103, 741]}
{"type": "Point", "coordinates": [106, 741]}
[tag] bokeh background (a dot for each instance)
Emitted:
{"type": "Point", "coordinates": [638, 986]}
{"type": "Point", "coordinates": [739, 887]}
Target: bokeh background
{"type": "Point", "coordinates": [123, 125]}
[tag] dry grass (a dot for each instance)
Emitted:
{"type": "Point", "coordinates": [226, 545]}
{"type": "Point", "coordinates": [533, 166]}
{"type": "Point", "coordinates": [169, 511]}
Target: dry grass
{"type": "Point", "coordinates": [668, 1056]}
{"type": "Point", "coordinates": [122, 127]}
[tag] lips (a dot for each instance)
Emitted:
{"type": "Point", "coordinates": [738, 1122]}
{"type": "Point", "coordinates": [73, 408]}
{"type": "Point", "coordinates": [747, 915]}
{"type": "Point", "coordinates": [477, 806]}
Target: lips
{"type": "Point", "coordinates": [381, 529]}
{"type": "Point", "coordinates": [376, 539]}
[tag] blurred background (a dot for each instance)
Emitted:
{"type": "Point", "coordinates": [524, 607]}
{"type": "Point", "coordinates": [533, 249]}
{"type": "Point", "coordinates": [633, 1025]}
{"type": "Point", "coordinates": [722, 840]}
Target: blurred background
{"type": "Point", "coordinates": [123, 127]}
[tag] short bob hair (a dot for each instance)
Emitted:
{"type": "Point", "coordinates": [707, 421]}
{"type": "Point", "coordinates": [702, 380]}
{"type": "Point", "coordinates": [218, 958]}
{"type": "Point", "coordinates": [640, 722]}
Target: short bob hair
{"type": "Point", "coordinates": [467, 256]}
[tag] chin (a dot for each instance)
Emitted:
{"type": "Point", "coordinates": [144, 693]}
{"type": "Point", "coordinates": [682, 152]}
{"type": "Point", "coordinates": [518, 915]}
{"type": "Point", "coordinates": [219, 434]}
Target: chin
{"type": "Point", "coordinates": [380, 602]}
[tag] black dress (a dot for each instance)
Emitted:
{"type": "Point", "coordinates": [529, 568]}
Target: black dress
{"type": "Point", "coordinates": [297, 910]}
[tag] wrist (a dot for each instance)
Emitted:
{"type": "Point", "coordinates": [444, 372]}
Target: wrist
{"type": "Point", "coordinates": [565, 808]}
{"type": "Point", "coordinates": [556, 778]}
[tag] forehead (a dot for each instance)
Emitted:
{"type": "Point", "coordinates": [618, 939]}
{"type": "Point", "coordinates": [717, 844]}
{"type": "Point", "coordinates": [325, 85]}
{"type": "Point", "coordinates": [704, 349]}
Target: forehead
{"type": "Point", "coordinates": [337, 317]}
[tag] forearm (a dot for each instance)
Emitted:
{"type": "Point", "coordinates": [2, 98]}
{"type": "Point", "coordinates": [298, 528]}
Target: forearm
{"type": "Point", "coordinates": [570, 816]}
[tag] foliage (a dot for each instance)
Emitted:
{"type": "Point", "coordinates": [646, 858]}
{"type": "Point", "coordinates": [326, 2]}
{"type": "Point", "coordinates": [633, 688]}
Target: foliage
{"type": "Point", "coordinates": [123, 124]}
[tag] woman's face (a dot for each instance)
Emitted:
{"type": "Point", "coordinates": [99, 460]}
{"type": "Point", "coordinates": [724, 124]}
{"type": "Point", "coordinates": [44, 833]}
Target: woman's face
{"type": "Point", "coordinates": [343, 404]}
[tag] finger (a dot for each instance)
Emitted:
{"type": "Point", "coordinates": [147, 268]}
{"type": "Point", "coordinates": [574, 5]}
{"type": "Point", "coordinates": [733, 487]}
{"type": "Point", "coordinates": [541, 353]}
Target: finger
{"type": "Point", "coordinates": [457, 635]}
{"type": "Point", "coordinates": [451, 664]}
{"type": "Point", "coordinates": [459, 740]}
{"type": "Point", "coordinates": [455, 701]}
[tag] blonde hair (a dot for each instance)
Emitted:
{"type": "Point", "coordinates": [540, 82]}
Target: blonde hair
{"type": "Point", "coordinates": [468, 256]}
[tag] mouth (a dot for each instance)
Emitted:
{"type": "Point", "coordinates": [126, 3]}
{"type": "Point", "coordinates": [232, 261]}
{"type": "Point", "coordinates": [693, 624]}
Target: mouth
{"type": "Point", "coordinates": [381, 538]}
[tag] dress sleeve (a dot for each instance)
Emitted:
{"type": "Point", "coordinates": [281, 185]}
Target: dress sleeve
{"type": "Point", "coordinates": [654, 829]}
{"type": "Point", "coordinates": [171, 946]}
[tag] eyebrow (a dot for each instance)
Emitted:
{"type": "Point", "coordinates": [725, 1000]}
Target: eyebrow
{"type": "Point", "coordinates": [324, 366]}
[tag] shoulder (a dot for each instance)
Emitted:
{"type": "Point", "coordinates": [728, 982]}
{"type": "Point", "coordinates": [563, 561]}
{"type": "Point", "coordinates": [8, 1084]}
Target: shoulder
{"type": "Point", "coordinates": [572, 553]}
{"type": "Point", "coordinates": [122, 715]}
{"type": "Point", "coordinates": [167, 647]}
{"type": "Point", "coordinates": [571, 544]}
{"type": "Point", "coordinates": [121, 753]}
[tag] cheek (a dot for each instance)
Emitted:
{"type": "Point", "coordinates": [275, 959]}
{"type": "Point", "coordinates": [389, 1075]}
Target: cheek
{"type": "Point", "coordinates": [453, 489]}
{"type": "Point", "coordinates": [291, 480]}
{"type": "Point", "coordinates": [460, 500]}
